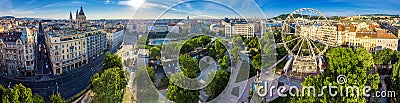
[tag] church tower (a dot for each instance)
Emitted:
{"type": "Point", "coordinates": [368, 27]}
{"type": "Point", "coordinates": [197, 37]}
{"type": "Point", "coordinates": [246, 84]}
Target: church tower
{"type": "Point", "coordinates": [70, 17]}
{"type": "Point", "coordinates": [71, 20]}
{"type": "Point", "coordinates": [81, 18]}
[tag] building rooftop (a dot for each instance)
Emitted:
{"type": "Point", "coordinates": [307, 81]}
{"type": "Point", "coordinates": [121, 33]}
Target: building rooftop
{"type": "Point", "coordinates": [351, 28]}
{"type": "Point", "coordinates": [10, 36]}
{"type": "Point", "coordinates": [379, 34]}
{"type": "Point", "coordinates": [68, 32]}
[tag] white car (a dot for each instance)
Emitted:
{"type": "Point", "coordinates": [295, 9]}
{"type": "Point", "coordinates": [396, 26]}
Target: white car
{"type": "Point", "coordinates": [47, 66]}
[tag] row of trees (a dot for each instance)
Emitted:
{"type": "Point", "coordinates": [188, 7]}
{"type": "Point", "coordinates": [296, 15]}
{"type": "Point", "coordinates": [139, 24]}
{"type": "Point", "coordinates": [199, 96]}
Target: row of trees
{"type": "Point", "coordinates": [21, 94]}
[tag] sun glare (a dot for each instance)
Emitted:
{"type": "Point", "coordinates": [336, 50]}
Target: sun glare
{"type": "Point", "coordinates": [136, 3]}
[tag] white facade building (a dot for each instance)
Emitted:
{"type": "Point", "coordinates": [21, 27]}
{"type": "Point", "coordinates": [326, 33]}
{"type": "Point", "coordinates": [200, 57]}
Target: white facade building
{"type": "Point", "coordinates": [114, 39]}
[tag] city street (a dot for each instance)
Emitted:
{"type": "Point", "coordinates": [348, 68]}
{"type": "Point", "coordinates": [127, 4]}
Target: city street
{"type": "Point", "coordinates": [67, 84]}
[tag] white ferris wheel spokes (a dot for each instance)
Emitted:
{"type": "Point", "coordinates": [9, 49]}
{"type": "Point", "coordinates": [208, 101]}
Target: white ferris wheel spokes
{"type": "Point", "coordinates": [304, 36]}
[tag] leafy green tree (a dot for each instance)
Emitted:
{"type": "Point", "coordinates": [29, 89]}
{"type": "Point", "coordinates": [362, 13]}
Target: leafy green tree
{"type": "Point", "coordinates": [395, 78]}
{"type": "Point", "coordinates": [268, 48]}
{"type": "Point", "coordinates": [383, 57]}
{"type": "Point", "coordinates": [211, 52]}
{"type": "Point", "coordinates": [365, 58]}
{"type": "Point", "coordinates": [253, 43]}
{"type": "Point", "coordinates": [281, 52]}
{"type": "Point", "coordinates": [278, 36]}
{"type": "Point", "coordinates": [17, 94]}
{"type": "Point", "coordinates": [155, 52]}
{"type": "Point", "coordinates": [189, 46]}
{"type": "Point", "coordinates": [25, 94]}
{"type": "Point", "coordinates": [108, 86]}
{"type": "Point", "coordinates": [256, 61]}
{"type": "Point", "coordinates": [188, 65]}
{"type": "Point", "coordinates": [218, 84]}
{"type": "Point", "coordinates": [7, 96]}
{"type": "Point", "coordinates": [237, 46]}
{"type": "Point", "coordinates": [112, 61]}
{"type": "Point", "coordinates": [373, 81]}
{"type": "Point", "coordinates": [56, 98]}
{"type": "Point", "coordinates": [2, 92]}
{"type": "Point", "coordinates": [203, 40]}
{"type": "Point", "coordinates": [181, 95]}
{"type": "Point", "coordinates": [224, 62]}
{"type": "Point", "coordinates": [38, 98]}
{"type": "Point", "coordinates": [219, 48]}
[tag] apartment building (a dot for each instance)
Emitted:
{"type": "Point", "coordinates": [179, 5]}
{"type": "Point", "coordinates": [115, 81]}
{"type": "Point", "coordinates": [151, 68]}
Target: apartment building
{"type": "Point", "coordinates": [67, 50]}
{"type": "Point", "coordinates": [378, 39]}
{"type": "Point", "coordinates": [114, 38]}
{"type": "Point", "coordinates": [96, 43]}
{"type": "Point", "coordinates": [71, 49]}
{"type": "Point", "coordinates": [239, 27]}
{"type": "Point", "coordinates": [17, 55]}
{"type": "Point", "coordinates": [346, 34]}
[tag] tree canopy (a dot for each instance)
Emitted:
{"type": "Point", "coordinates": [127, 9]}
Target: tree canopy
{"type": "Point", "coordinates": [112, 61]}
{"type": "Point", "coordinates": [38, 99]}
{"type": "Point", "coordinates": [189, 65]}
{"type": "Point", "coordinates": [383, 56]}
{"type": "Point", "coordinates": [108, 86]}
{"type": "Point", "coordinates": [56, 98]}
{"type": "Point", "coordinates": [218, 84]}
{"type": "Point", "coordinates": [18, 94]}
{"type": "Point", "coordinates": [155, 52]}
{"type": "Point", "coordinates": [219, 48]}
{"type": "Point", "coordinates": [395, 77]}
{"type": "Point", "coordinates": [181, 95]}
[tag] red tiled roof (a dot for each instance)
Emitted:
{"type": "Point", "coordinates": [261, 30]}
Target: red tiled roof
{"type": "Point", "coordinates": [380, 34]}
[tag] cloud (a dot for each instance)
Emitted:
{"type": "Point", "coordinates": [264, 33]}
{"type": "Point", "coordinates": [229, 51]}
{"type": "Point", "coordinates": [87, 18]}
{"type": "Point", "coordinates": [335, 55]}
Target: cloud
{"type": "Point", "coordinates": [16, 12]}
{"type": "Point", "coordinates": [107, 1]}
{"type": "Point", "coordinates": [77, 2]}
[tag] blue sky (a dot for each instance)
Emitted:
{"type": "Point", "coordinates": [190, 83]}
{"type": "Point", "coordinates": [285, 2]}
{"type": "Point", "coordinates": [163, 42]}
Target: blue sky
{"type": "Point", "coordinates": [127, 9]}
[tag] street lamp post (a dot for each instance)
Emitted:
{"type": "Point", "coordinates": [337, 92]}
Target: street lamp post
{"type": "Point", "coordinates": [57, 86]}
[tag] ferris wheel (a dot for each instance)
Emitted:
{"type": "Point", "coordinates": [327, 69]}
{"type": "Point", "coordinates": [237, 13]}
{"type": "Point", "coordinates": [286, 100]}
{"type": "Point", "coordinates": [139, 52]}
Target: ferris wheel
{"type": "Point", "coordinates": [306, 35]}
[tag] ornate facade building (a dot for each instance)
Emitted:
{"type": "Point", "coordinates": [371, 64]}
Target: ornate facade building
{"type": "Point", "coordinates": [17, 55]}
